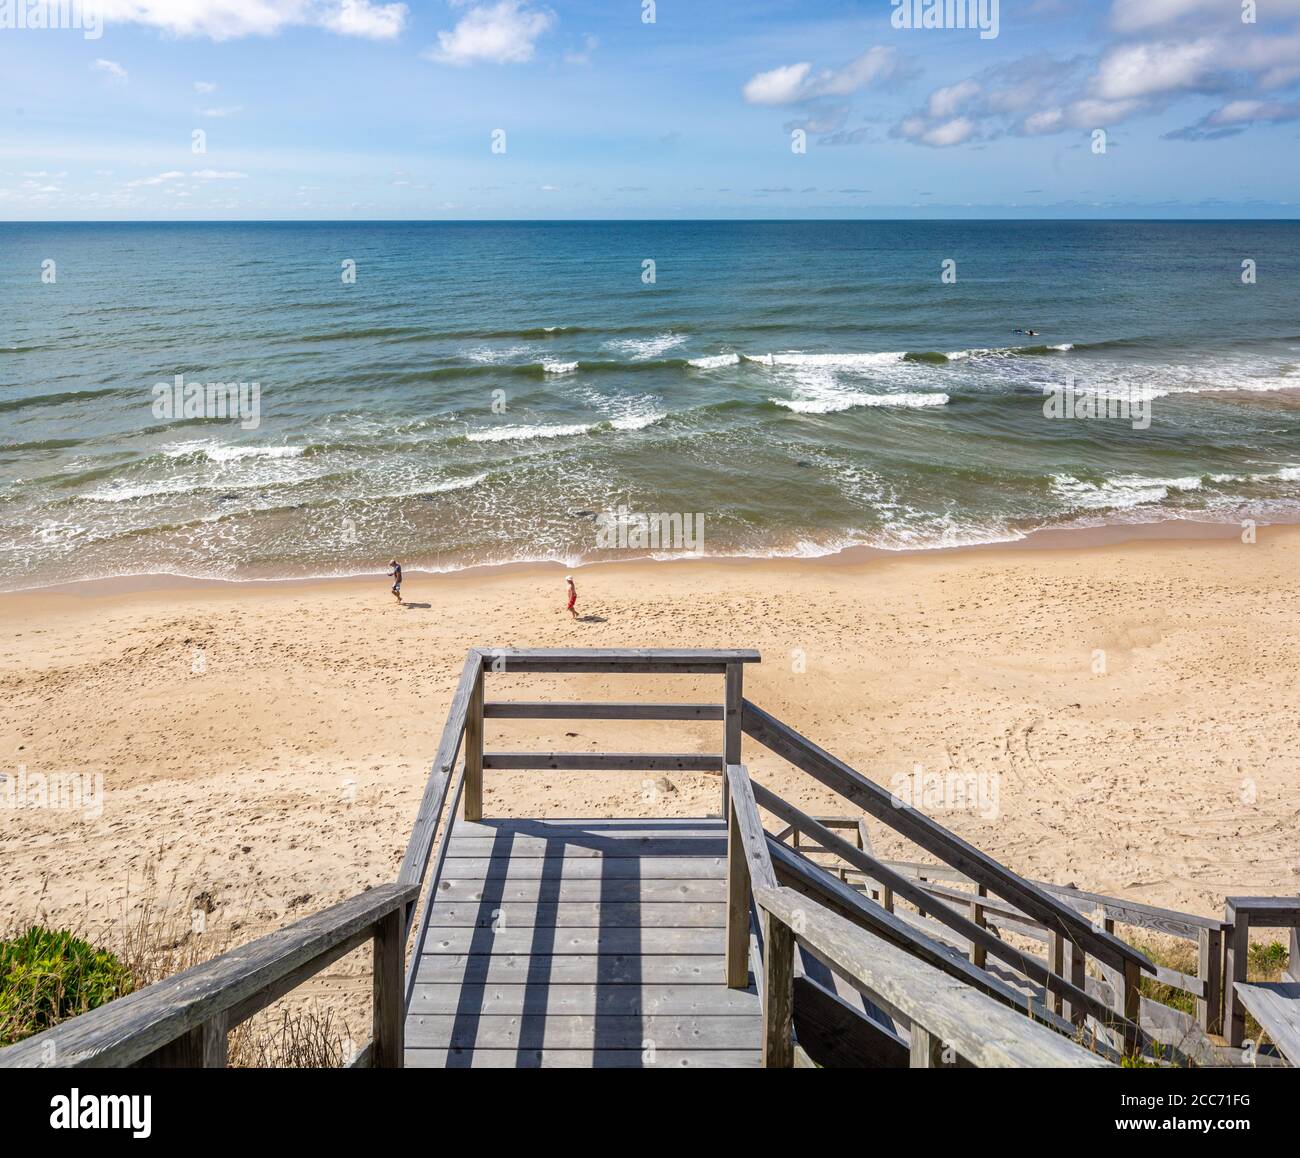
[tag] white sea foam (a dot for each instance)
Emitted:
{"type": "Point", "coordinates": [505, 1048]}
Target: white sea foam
{"type": "Point", "coordinates": [1121, 492]}
{"type": "Point", "coordinates": [829, 405]}
{"type": "Point", "coordinates": [523, 433]}
{"type": "Point", "coordinates": [715, 361]}
{"type": "Point", "coordinates": [642, 349]}
{"type": "Point", "coordinates": [216, 453]}
{"type": "Point", "coordinates": [559, 367]}
{"type": "Point", "coordinates": [492, 356]}
{"type": "Point", "coordinates": [1005, 351]}
{"type": "Point", "coordinates": [636, 421]}
{"type": "Point", "coordinates": [849, 362]}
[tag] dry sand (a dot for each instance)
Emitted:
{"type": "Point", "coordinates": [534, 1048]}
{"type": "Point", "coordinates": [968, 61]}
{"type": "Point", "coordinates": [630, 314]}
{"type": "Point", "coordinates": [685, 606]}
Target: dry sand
{"type": "Point", "coordinates": [285, 774]}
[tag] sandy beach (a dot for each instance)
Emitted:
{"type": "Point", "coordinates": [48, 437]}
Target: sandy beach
{"type": "Point", "coordinates": [267, 743]}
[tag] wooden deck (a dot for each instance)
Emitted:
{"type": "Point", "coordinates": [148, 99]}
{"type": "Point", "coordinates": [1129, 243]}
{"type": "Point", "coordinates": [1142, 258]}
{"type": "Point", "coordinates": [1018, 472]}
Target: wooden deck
{"type": "Point", "coordinates": [592, 943]}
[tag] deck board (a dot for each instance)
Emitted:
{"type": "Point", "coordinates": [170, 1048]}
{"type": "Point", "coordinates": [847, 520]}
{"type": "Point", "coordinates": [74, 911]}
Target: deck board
{"type": "Point", "coordinates": [1276, 1006]}
{"type": "Point", "coordinates": [587, 868]}
{"type": "Point", "coordinates": [589, 889]}
{"type": "Point", "coordinates": [580, 943]}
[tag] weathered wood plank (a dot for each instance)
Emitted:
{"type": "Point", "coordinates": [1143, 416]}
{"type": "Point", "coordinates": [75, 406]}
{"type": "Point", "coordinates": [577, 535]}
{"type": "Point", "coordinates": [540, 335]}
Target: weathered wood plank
{"type": "Point", "coordinates": [750, 827]}
{"type": "Point", "coordinates": [602, 762]}
{"type": "Point", "coordinates": [549, 710]}
{"type": "Point", "coordinates": [473, 742]}
{"type": "Point", "coordinates": [1265, 912]}
{"type": "Point", "coordinates": [577, 914]}
{"type": "Point", "coordinates": [587, 868]}
{"type": "Point", "coordinates": [600, 829]}
{"type": "Point", "coordinates": [979, 1029]}
{"type": "Point", "coordinates": [572, 1031]}
{"type": "Point", "coordinates": [420, 846]}
{"type": "Point", "coordinates": [388, 999]}
{"type": "Point", "coordinates": [778, 987]}
{"type": "Point", "coordinates": [1276, 1006]}
{"type": "Point", "coordinates": [581, 1059]}
{"type": "Point", "coordinates": [618, 659]}
{"type": "Point", "coordinates": [585, 1000]}
{"type": "Point", "coordinates": [567, 891]}
{"type": "Point", "coordinates": [588, 846]}
{"type": "Point", "coordinates": [644, 941]}
{"type": "Point", "coordinates": [571, 969]}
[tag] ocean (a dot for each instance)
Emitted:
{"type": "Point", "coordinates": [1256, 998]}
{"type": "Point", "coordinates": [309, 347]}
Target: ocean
{"type": "Point", "coordinates": [456, 394]}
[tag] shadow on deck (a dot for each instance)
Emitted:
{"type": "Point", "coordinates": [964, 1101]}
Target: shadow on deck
{"type": "Point", "coordinates": [588, 943]}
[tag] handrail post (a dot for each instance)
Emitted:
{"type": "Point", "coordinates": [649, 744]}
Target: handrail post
{"type": "Point", "coordinates": [388, 1013]}
{"type": "Point", "coordinates": [1209, 1008]}
{"type": "Point", "coordinates": [978, 954]}
{"type": "Point", "coordinates": [731, 741]}
{"type": "Point", "coordinates": [738, 888]}
{"type": "Point", "coordinates": [778, 993]}
{"type": "Point", "coordinates": [474, 751]}
{"type": "Point", "coordinates": [926, 1051]}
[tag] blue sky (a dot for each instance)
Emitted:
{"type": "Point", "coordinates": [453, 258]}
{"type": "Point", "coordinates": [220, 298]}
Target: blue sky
{"type": "Point", "coordinates": [366, 109]}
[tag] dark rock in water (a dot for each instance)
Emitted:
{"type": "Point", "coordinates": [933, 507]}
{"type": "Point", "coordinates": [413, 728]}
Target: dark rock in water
{"type": "Point", "coordinates": [582, 514]}
{"type": "Point", "coordinates": [226, 498]}
{"type": "Point", "coordinates": [803, 462]}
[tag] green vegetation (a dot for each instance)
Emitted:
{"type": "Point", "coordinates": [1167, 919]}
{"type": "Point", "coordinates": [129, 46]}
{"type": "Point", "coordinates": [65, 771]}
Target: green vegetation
{"type": "Point", "coordinates": [47, 976]}
{"type": "Point", "coordinates": [1266, 962]}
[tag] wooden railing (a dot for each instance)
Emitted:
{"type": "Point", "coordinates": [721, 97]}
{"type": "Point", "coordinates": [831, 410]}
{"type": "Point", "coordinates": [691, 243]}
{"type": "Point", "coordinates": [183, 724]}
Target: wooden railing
{"type": "Point", "coordinates": [950, 1023]}
{"type": "Point", "coordinates": [1062, 922]}
{"type": "Point", "coordinates": [184, 1020]}
{"type": "Point", "coordinates": [954, 888]}
{"type": "Point", "coordinates": [977, 1021]}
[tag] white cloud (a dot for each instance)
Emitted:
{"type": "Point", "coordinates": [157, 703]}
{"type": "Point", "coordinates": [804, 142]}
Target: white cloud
{"type": "Point", "coordinates": [1135, 16]}
{"type": "Point", "coordinates": [228, 19]}
{"type": "Point", "coordinates": [502, 33]}
{"type": "Point", "coordinates": [1248, 112]}
{"type": "Point", "coordinates": [160, 179]}
{"type": "Point", "coordinates": [779, 86]}
{"type": "Point", "coordinates": [111, 68]}
{"type": "Point", "coordinates": [204, 87]}
{"type": "Point", "coordinates": [1044, 121]}
{"type": "Point", "coordinates": [1143, 70]}
{"type": "Point", "coordinates": [940, 136]}
{"type": "Point", "coordinates": [362, 18]}
{"type": "Point", "coordinates": [946, 101]}
{"type": "Point", "coordinates": [222, 111]}
{"type": "Point", "coordinates": [173, 175]}
{"type": "Point", "coordinates": [791, 83]}
{"type": "Point", "coordinates": [1235, 117]}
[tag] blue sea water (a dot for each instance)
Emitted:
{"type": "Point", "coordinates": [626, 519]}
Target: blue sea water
{"type": "Point", "coordinates": [482, 390]}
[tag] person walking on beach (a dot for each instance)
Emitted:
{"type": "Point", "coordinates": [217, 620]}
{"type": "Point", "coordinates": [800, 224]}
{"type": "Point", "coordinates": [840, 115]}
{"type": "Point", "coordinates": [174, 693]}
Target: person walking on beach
{"type": "Point", "coordinates": [396, 575]}
{"type": "Point", "coordinates": [573, 596]}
